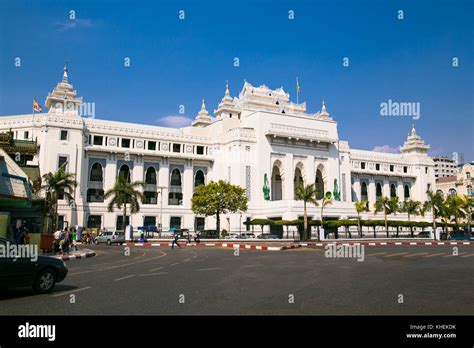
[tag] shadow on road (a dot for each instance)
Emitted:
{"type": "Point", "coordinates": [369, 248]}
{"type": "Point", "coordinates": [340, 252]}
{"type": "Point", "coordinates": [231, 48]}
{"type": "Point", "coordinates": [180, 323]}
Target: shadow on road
{"type": "Point", "coordinates": [8, 294]}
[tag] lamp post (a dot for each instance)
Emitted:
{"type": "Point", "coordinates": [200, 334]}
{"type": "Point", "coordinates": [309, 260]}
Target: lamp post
{"type": "Point", "coordinates": [240, 226]}
{"type": "Point", "coordinates": [160, 188]}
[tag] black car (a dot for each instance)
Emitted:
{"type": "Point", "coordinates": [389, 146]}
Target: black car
{"type": "Point", "coordinates": [208, 234]}
{"type": "Point", "coordinates": [42, 272]}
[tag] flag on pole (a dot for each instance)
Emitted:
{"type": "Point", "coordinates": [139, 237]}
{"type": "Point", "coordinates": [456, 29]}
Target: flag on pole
{"type": "Point", "coordinates": [298, 87]}
{"type": "Point", "coordinates": [36, 106]}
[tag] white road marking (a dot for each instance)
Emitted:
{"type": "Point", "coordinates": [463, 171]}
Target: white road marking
{"type": "Point", "coordinates": [186, 260]}
{"type": "Point", "coordinates": [433, 255]}
{"type": "Point", "coordinates": [377, 254]}
{"type": "Point", "coordinates": [151, 274]}
{"type": "Point", "coordinates": [129, 276]}
{"type": "Point", "coordinates": [469, 255]}
{"type": "Point", "coordinates": [173, 264]}
{"type": "Point", "coordinates": [155, 269]}
{"type": "Point", "coordinates": [208, 269]}
{"type": "Point", "coordinates": [70, 292]}
{"type": "Point", "coordinates": [416, 254]}
{"type": "Point", "coordinates": [396, 254]}
{"type": "Point", "coordinates": [251, 266]}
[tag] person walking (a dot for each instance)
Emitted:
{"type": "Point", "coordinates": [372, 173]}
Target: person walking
{"type": "Point", "coordinates": [175, 241]}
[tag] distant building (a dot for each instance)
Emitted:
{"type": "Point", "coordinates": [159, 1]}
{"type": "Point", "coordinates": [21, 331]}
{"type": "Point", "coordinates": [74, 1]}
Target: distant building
{"type": "Point", "coordinates": [459, 184]}
{"type": "Point", "coordinates": [444, 167]}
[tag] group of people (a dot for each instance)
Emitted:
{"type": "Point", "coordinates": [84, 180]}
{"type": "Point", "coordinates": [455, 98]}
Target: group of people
{"type": "Point", "coordinates": [178, 235]}
{"type": "Point", "coordinates": [64, 241]}
{"type": "Point", "coordinates": [87, 237]}
{"type": "Point", "coordinates": [21, 235]}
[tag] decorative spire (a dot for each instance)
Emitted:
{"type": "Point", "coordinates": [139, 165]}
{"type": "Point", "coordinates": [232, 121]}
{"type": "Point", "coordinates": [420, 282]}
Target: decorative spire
{"type": "Point", "coordinates": [227, 93]}
{"type": "Point", "coordinates": [414, 144]}
{"type": "Point", "coordinates": [203, 108]}
{"type": "Point", "coordinates": [202, 118]}
{"type": "Point", "coordinates": [324, 113]}
{"type": "Point", "coordinates": [65, 76]}
{"type": "Point", "coordinates": [413, 130]}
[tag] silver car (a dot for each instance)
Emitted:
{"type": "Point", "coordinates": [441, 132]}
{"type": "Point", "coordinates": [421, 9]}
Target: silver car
{"type": "Point", "coordinates": [110, 237]}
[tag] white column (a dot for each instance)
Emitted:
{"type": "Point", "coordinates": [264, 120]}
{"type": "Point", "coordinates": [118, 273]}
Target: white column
{"type": "Point", "coordinates": [400, 190]}
{"type": "Point", "coordinates": [164, 181]}
{"type": "Point", "coordinates": [371, 191]}
{"type": "Point", "coordinates": [289, 177]}
{"type": "Point", "coordinates": [357, 189]}
{"type": "Point", "coordinates": [188, 184]}
{"type": "Point", "coordinates": [310, 171]}
{"type": "Point", "coordinates": [386, 188]}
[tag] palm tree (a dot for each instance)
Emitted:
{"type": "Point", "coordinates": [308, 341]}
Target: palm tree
{"type": "Point", "coordinates": [467, 205]}
{"type": "Point", "coordinates": [307, 194]}
{"type": "Point", "coordinates": [435, 203]}
{"type": "Point", "coordinates": [57, 185]}
{"type": "Point", "coordinates": [454, 208]}
{"type": "Point", "coordinates": [387, 206]}
{"type": "Point", "coordinates": [123, 193]}
{"type": "Point", "coordinates": [361, 207]}
{"type": "Point", "coordinates": [325, 201]}
{"type": "Point", "coordinates": [410, 207]}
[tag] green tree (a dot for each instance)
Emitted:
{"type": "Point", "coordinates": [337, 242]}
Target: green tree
{"type": "Point", "coordinates": [307, 194]}
{"type": "Point", "coordinates": [454, 209]}
{"type": "Point", "coordinates": [217, 198]}
{"type": "Point", "coordinates": [361, 207]}
{"type": "Point", "coordinates": [123, 193]}
{"type": "Point", "coordinates": [387, 206]}
{"type": "Point", "coordinates": [467, 207]}
{"type": "Point", "coordinates": [57, 185]}
{"type": "Point", "coordinates": [435, 204]}
{"type": "Point", "coordinates": [325, 201]}
{"type": "Point", "coordinates": [410, 207]}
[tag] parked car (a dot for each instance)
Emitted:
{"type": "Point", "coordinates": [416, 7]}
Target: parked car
{"type": "Point", "coordinates": [208, 234]}
{"type": "Point", "coordinates": [424, 234]}
{"type": "Point", "coordinates": [110, 237]}
{"type": "Point", "coordinates": [42, 274]}
{"type": "Point", "coordinates": [247, 235]}
{"type": "Point", "coordinates": [269, 236]}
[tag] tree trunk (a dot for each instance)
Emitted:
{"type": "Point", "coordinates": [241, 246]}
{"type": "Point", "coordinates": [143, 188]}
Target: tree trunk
{"type": "Point", "coordinates": [386, 224]}
{"type": "Point", "coordinates": [434, 223]}
{"type": "Point", "coordinates": [375, 234]}
{"type": "Point", "coordinates": [305, 226]}
{"type": "Point", "coordinates": [411, 227]}
{"type": "Point", "coordinates": [124, 219]}
{"type": "Point", "coordinates": [358, 224]}
{"type": "Point", "coordinates": [218, 225]}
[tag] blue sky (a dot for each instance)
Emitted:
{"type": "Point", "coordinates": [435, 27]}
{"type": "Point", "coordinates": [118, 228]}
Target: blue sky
{"type": "Point", "coordinates": [178, 62]}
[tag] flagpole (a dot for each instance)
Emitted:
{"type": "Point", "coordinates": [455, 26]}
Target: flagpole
{"type": "Point", "coordinates": [297, 92]}
{"type": "Point", "coordinates": [33, 122]}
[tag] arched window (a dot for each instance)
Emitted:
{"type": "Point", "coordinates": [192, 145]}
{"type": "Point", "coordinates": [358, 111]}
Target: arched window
{"type": "Point", "coordinates": [298, 180]}
{"type": "Point", "coordinates": [199, 178]}
{"type": "Point", "coordinates": [452, 192]}
{"type": "Point", "coordinates": [277, 184]}
{"type": "Point", "coordinates": [96, 172]}
{"type": "Point", "coordinates": [378, 191]}
{"type": "Point", "coordinates": [150, 176]}
{"type": "Point", "coordinates": [406, 192]}
{"type": "Point", "coordinates": [363, 191]}
{"type": "Point", "coordinates": [393, 191]}
{"type": "Point", "coordinates": [440, 192]}
{"type": "Point", "coordinates": [176, 177]}
{"type": "Point", "coordinates": [124, 172]}
{"type": "Point", "coordinates": [319, 182]}
{"type": "Point", "coordinates": [469, 190]}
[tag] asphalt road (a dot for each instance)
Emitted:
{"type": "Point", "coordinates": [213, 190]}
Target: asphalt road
{"type": "Point", "coordinates": [205, 280]}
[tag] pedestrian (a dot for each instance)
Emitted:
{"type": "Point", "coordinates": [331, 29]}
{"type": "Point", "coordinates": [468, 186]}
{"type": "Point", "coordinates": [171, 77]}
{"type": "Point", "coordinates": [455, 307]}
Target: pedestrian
{"type": "Point", "coordinates": [175, 241]}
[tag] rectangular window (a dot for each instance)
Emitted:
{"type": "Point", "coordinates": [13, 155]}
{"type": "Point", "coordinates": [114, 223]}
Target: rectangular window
{"type": "Point", "coordinates": [200, 150]}
{"type": "Point", "coordinates": [362, 165]}
{"type": "Point", "coordinates": [94, 221]}
{"type": "Point", "coordinates": [377, 166]}
{"type": "Point", "coordinates": [247, 224]}
{"type": "Point", "coordinates": [199, 224]}
{"type": "Point", "coordinates": [175, 222]}
{"type": "Point", "coordinates": [119, 224]}
{"type": "Point", "coordinates": [126, 143]}
{"type": "Point", "coordinates": [176, 147]}
{"type": "Point", "coordinates": [64, 134]}
{"type": "Point", "coordinates": [149, 221]}
{"type": "Point", "coordinates": [152, 145]}
{"type": "Point", "coordinates": [26, 135]}
{"type": "Point", "coordinates": [405, 169]}
{"type": "Point", "coordinates": [391, 167]}
{"type": "Point", "coordinates": [62, 162]}
{"type": "Point", "coordinates": [98, 140]}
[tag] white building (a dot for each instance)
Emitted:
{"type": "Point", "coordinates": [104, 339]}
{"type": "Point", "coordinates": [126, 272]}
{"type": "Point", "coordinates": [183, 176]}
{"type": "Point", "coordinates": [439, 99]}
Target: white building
{"type": "Point", "coordinates": [444, 167]}
{"type": "Point", "coordinates": [259, 134]}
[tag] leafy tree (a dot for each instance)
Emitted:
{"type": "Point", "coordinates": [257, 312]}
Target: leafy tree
{"type": "Point", "coordinates": [454, 208]}
{"type": "Point", "coordinates": [123, 193]}
{"type": "Point", "coordinates": [217, 198]}
{"type": "Point", "coordinates": [361, 207]}
{"type": "Point", "coordinates": [57, 185]}
{"type": "Point", "coordinates": [410, 207]}
{"type": "Point", "coordinates": [307, 194]}
{"type": "Point", "coordinates": [467, 207]}
{"type": "Point", "coordinates": [325, 201]}
{"type": "Point", "coordinates": [435, 203]}
{"type": "Point", "coordinates": [387, 206]}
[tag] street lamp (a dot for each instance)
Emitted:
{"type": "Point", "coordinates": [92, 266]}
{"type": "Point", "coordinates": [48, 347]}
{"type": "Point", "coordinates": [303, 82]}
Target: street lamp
{"type": "Point", "coordinates": [240, 226]}
{"type": "Point", "coordinates": [160, 188]}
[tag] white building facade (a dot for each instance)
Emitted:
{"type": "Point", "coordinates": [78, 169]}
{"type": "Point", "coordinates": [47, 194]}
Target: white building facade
{"type": "Point", "coordinates": [257, 139]}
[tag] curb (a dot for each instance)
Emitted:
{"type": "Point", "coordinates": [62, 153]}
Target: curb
{"type": "Point", "coordinates": [388, 243]}
{"type": "Point", "coordinates": [222, 245]}
{"type": "Point", "coordinates": [83, 255]}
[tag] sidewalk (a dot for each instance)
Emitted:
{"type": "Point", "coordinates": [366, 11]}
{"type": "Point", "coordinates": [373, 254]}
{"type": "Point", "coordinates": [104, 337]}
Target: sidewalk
{"type": "Point", "coordinates": [79, 254]}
